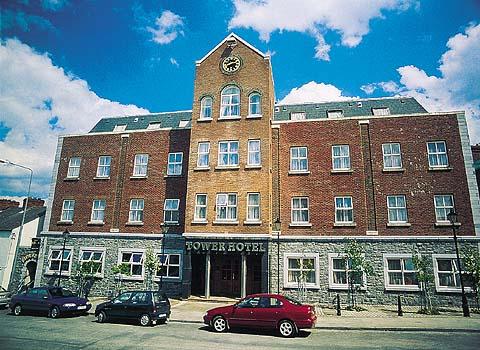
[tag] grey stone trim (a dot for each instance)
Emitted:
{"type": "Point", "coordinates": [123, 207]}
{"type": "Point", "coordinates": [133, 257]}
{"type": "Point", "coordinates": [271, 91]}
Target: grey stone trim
{"type": "Point", "coordinates": [106, 234]}
{"type": "Point", "coordinates": [470, 171]}
{"type": "Point", "coordinates": [223, 236]}
{"type": "Point", "coordinates": [53, 182]}
{"type": "Point", "coordinates": [372, 238]}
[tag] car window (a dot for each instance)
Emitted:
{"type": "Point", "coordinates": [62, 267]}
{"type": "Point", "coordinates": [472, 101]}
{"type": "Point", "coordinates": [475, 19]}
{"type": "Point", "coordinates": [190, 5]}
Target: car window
{"type": "Point", "coordinates": [159, 297]}
{"type": "Point", "coordinates": [60, 292]}
{"type": "Point", "coordinates": [274, 302]}
{"type": "Point", "coordinates": [42, 293]}
{"type": "Point", "coordinates": [267, 302]}
{"type": "Point", "coordinates": [249, 302]}
{"type": "Point", "coordinates": [139, 298]}
{"type": "Point", "coordinates": [122, 298]}
{"type": "Point", "coordinates": [293, 301]}
{"type": "Point", "coordinates": [32, 293]}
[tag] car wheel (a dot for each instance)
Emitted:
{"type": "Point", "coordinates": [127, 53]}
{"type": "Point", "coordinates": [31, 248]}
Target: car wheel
{"type": "Point", "coordinates": [145, 320]}
{"type": "Point", "coordinates": [101, 317]}
{"type": "Point", "coordinates": [219, 324]}
{"type": "Point", "coordinates": [286, 329]}
{"type": "Point", "coordinates": [54, 312]}
{"type": "Point", "coordinates": [17, 310]}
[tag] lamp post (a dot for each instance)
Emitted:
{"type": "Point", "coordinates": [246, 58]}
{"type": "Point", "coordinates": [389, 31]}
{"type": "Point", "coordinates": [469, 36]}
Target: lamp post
{"type": "Point", "coordinates": [162, 260]}
{"type": "Point", "coordinates": [277, 227]}
{"type": "Point", "coordinates": [65, 235]}
{"type": "Point", "coordinates": [17, 246]}
{"type": "Point", "coordinates": [452, 217]}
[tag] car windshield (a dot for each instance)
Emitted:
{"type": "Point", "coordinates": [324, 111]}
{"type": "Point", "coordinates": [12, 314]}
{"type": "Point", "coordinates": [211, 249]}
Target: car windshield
{"type": "Point", "coordinates": [60, 293]}
{"type": "Point", "coordinates": [293, 301]}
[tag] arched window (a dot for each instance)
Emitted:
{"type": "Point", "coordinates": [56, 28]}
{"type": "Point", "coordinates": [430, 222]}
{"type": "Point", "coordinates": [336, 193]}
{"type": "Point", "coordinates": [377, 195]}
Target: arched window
{"type": "Point", "coordinates": [230, 102]}
{"type": "Point", "coordinates": [254, 105]}
{"type": "Point", "coordinates": [206, 108]}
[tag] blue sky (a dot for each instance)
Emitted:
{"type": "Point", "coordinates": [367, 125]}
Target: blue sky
{"type": "Point", "coordinates": [64, 64]}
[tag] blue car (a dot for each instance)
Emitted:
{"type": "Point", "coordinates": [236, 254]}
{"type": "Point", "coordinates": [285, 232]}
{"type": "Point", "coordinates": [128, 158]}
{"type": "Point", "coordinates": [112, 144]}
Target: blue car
{"type": "Point", "coordinates": [54, 301]}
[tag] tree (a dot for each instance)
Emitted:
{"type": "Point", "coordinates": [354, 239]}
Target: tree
{"type": "Point", "coordinates": [356, 266]}
{"type": "Point", "coordinates": [425, 279]}
{"type": "Point", "coordinates": [151, 267]}
{"type": "Point", "coordinates": [471, 266]}
{"type": "Point", "coordinates": [85, 276]}
{"type": "Point", "coordinates": [120, 271]}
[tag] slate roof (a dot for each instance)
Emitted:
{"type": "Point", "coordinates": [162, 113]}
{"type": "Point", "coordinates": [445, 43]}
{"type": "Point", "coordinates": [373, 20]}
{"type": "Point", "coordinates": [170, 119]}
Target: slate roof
{"type": "Point", "coordinates": [12, 217]}
{"type": "Point", "coordinates": [350, 108]}
{"type": "Point", "coordinates": [141, 122]}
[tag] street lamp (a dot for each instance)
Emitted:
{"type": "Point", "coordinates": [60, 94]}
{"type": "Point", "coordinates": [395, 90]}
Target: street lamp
{"type": "Point", "coordinates": [277, 226]}
{"type": "Point", "coordinates": [7, 162]}
{"type": "Point", "coordinates": [162, 259]}
{"type": "Point", "coordinates": [65, 235]}
{"type": "Point", "coordinates": [452, 217]}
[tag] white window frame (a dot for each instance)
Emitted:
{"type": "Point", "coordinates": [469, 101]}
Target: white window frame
{"type": "Point", "coordinates": [251, 104]}
{"type": "Point", "coordinates": [298, 158]}
{"type": "Point", "coordinates": [229, 153]}
{"type": "Point", "coordinates": [130, 277]}
{"type": "Point", "coordinates": [229, 105]}
{"type": "Point", "coordinates": [299, 223]}
{"type": "Point", "coordinates": [227, 206]}
{"type": "Point", "coordinates": [341, 157]}
{"type": "Point", "coordinates": [98, 209]}
{"type": "Point", "coordinates": [168, 253]}
{"type": "Point", "coordinates": [70, 259]}
{"type": "Point", "coordinates": [173, 200]}
{"type": "Point", "coordinates": [250, 152]}
{"type": "Point", "coordinates": [174, 164]}
{"type": "Point", "coordinates": [380, 111]}
{"type": "Point", "coordinates": [447, 289]}
{"type": "Point", "coordinates": [94, 250]}
{"type": "Point", "coordinates": [254, 220]}
{"type": "Point", "coordinates": [198, 206]}
{"type": "Point", "coordinates": [120, 127]}
{"type": "Point", "coordinates": [338, 286]}
{"type": "Point", "coordinates": [398, 287]}
{"type": "Point", "coordinates": [69, 209]}
{"type": "Point", "coordinates": [140, 162]}
{"type": "Point", "coordinates": [204, 106]}
{"type": "Point", "coordinates": [315, 256]}
{"type": "Point", "coordinates": [154, 126]}
{"type": "Point", "coordinates": [335, 113]}
{"type": "Point", "coordinates": [73, 171]}
{"type": "Point", "coordinates": [391, 155]}
{"type": "Point", "coordinates": [344, 209]}
{"type": "Point", "coordinates": [298, 116]}
{"type": "Point", "coordinates": [203, 154]}
{"type": "Point", "coordinates": [102, 167]}
{"type": "Point", "coordinates": [437, 154]}
{"type": "Point", "coordinates": [447, 209]}
{"type": "Point", "coordinates": [397, 208]}
{"type": "Point", "coordinates": [136, 210]}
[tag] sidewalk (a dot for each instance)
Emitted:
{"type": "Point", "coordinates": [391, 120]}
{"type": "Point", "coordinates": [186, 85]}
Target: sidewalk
{"type": "Point", "coordinates": [193, 309]}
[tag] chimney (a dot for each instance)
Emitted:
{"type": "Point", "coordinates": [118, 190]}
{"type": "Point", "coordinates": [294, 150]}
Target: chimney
{"type": "Point", "coordinates": [7, 203]}
{"type": "Point", "coordinates": [33, 202]}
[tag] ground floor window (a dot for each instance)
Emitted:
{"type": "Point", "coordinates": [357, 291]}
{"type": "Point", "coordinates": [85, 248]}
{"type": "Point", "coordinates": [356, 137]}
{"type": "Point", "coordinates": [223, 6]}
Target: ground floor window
{"type": "Point", "coordinates": [301, 269]}
{"type": "Point", "coordinates": [55, 260]}
{"type": "Point", "coordinates": [169, 265]}
{"type": "Point", "coordinates": [92, 260]}
{"type": "Point", "coordinates": [400, 273]}
{"type": "Point", "coordinates": [339, 274]}
{"type": "Point", "coordinates": [447, 276]}
{"type": "Point", "coordinates": [134, 260]}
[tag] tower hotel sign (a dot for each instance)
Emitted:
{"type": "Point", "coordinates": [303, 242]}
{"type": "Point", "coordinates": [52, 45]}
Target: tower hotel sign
{"type": "Point", "coordinates": [203, 246]}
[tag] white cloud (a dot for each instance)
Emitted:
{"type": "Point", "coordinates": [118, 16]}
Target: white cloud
{"type": "Point", "coordinates": [387, 86]}
{"type": "Point", "coordinates": [54, 5]}
{"type": "Point", "coordinates": [350, 19]}
{"type": "Point", "coordinates": [314, 92]}
{"type": "Point", "coordinates": [457, 86]}
{"type": "Point", "coordinates": [39, 101]}
{"type": "Point", "coordinates": [174, 62]}
{"type": "Point", "coordinates": [169, 26]}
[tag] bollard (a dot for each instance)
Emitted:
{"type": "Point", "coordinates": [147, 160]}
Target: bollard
{"type": "Point", "coordinates": [399, 303]}
{"type": "Point", "coordinates": [339, 312]}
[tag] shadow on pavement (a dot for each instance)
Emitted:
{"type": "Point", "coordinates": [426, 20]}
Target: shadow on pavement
{"type": "Point", "coordinates": [256, 331]}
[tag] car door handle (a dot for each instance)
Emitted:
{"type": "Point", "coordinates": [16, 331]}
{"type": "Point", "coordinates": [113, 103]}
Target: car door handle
{"type": "Point", "coordinates": [251, 312]}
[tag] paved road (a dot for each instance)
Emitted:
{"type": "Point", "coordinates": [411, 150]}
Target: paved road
{"type": "Point", "coordinates": [37, 332]}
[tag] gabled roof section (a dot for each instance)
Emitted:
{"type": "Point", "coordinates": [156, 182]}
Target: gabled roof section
{"type": "Point", "coordinates": [232, 35]}
{"type": "Point", "coordinates": [350, 108]}
{"type": "Point", "coordinates": [167, 120]}
{"type": "Point", "coordinates": [11, 218]}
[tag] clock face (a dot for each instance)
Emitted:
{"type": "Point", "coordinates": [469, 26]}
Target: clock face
{"type": "Point", "coordinates": [231, 64]}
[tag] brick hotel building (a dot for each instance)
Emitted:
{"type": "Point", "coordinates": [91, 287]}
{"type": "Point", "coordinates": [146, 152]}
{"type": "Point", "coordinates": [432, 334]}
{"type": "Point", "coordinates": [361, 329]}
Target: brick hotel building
{"type": "Point", "coordinates": [382, 171]}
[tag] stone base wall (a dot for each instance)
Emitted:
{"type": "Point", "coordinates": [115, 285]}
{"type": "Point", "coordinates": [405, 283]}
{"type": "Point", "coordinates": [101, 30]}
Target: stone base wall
{"type": "Point", "coordinates": [108, 285]}
{"type": "Point", "coordinates": [375, 291]}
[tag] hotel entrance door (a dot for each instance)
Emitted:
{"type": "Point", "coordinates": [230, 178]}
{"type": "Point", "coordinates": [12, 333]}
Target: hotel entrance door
{"type": "Point", "coordinates": [226, 276]}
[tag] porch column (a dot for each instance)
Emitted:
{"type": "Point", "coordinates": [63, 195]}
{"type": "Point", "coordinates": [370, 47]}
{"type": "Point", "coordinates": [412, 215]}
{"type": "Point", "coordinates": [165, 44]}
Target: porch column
{"type": "Point", "coordinates": [243, 277]}
{"type": "Point", "coordinates": [207, 275]}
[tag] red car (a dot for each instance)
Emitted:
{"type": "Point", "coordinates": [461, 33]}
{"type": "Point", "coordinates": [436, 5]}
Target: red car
{"type": "Point", "coordinates": [263, 311]}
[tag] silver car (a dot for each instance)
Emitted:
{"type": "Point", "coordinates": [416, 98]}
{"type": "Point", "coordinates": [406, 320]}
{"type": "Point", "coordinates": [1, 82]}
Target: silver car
{"type": "Point", "coordinates": [5, 297]}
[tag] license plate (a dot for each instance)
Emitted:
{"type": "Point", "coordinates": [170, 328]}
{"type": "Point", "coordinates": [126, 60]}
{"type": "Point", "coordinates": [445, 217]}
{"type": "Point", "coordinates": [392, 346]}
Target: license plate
{"type": "Point", "coordinates": [162, 315]}
{"type": "Point", "coordinates": [82, 307]}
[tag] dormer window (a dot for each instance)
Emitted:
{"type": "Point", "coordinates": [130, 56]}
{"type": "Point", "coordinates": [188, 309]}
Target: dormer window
{"type": "Point", "coordinates": [230, 105]}
{"type": "Point", "coordinates": [254, 105]}
{"type": "Point", "coordinates": [297, 116]}
{"type": "Point", "coordinates": [381, 111]}
{"type": "Point", "coordinates": [120, 127]}
{"type": "Point", "coordinates": [154, 126]}
{"type": "Point", "coordinates": [335, 114]}
{"type": "Point", "coordinates": [206, 108]}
